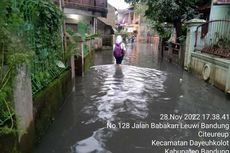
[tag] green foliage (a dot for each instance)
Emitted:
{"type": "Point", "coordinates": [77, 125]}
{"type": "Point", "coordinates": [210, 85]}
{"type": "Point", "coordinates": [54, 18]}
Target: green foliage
{"type": "Point", "coordinates": [171, 11]}
{"type": "Point", "coordinates": [73, 44]}
{"type": "Point", "coordinates": [7, 122]}
{"type": "Point", "coordinates": [44, 22]}
{"type": "Point", "coordinates": [140, 8]}
{"type": "Point", "coordinates": [74, 39]}
{"type": "Point", "coordinates": [13, 51]}
{"type": "Point", "coordinates": [83, 29]}
{"type": "Point", "coordinates": [167, 10]}
{"type": "Point", "coordinates": [92, 36]}
{"type": "Point", "coordinates": [164, 31]}
{"type": "Point", "coordinates": [30, 34]}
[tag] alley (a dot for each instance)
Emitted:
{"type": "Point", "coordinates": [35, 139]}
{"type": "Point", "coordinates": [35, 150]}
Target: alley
{"type": "Point", "coordinates": [141, 90]}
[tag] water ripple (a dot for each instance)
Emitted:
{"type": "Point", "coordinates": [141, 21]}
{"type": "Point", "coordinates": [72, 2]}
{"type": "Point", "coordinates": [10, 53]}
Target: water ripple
{"type": "Point", "coordinates": [123, 89]}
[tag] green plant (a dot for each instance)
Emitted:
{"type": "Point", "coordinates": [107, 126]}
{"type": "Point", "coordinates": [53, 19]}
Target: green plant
{"type": "Point", "coordinates": [73, 44]}
{"type": "Point", "coordinates": [44, 22]}
{"type": "Point", "coordinates": [7, 113]}
{"type": "Point", "coordinates": [221, 41]}
{"type": "Point", "coordinates": [163, 30]}
{"type": "Point", "coordinates": [30, 29]}
{"type": "Point", "coordinates": [92, 36]}
{"type": "Point", "coordinates": [170, 11]}
{"type": "Point", "coordinates": [184, 29]}
{"type": "Point", "coordinates": [14, 51]}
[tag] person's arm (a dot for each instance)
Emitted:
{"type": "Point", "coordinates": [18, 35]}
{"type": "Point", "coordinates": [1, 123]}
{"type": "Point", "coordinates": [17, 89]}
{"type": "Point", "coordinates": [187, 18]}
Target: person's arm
{"type": "Point", "coordinates": [123, 46]}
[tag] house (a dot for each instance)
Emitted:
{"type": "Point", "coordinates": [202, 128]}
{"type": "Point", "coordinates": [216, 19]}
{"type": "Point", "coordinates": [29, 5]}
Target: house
{"type": "Point", "coordinates": [135, 24]}
{"type": "Point", "coordinates": [105, 26]}
{"type": "Point", "coordinates": [81, 16]}
{"type": "Point", "coordinates": [84, 11]}
{"type": "Point", "coordinates": [208, 46]}
{"type": "Point", "coordinates": [128, 20]}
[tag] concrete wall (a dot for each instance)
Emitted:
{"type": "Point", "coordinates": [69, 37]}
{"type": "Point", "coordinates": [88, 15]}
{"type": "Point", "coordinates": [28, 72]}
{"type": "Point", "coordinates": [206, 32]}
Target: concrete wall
{"type": "Point", "coordinates": [74, 19]}
{"type": "Point", "coordinates": [9, 143]}
{"type": "Point", "coordinates": [103, 29]}
{"type": "Point", "coordinates": [77, 18]}
{"type": "Point", "coordinates": [34, 115]}
{"type": "Point", "coordinates": [23, 98]}
{"type": "Point", "coordinates": [82, 64]}
{"type": "Point", "coordinates": [212, 69]}
{"type": "Point", "coordinates": [190, 40]}
{"type": "Point", "coordinates": [23, 105]}
{"type": "Point", "coordinates": [48, 102]}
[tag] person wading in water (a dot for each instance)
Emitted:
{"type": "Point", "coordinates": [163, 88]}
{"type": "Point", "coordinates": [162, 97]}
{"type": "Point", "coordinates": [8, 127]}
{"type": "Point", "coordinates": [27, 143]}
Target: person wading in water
{"type": "Point", "coordinates": [119, 50]}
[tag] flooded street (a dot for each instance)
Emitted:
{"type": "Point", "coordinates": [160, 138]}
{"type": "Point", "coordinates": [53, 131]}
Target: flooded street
{"type": "Point", "coordinates": [112, 107]}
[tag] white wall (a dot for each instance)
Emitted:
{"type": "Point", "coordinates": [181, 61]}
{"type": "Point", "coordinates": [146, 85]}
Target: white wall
{"type": "Point", "coordinates": [219, 12]}
{"type": "Point", "coordinates": [218, 29]}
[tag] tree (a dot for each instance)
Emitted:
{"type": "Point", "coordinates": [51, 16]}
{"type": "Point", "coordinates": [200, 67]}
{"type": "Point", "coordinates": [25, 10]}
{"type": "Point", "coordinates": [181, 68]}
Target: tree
{"type": "Point", "coordinates": [171, 11]}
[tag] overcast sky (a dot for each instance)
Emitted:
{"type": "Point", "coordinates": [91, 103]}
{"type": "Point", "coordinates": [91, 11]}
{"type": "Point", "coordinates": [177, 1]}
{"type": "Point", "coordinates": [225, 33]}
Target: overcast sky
{"type": "Point", "coordinates": [119, 4]}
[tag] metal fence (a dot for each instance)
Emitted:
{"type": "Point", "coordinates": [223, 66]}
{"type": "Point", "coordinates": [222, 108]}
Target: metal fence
{"type": "Point", "coordinates": [213, 37]}
{"type": "Point", "coordinates": [173, 52]}
{"type": "Point", "coordinates": [45, 69]}
{"type": "Point", "coordinates": [43, 73]}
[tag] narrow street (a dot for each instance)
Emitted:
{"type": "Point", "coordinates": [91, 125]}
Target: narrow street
{"type": "Point", "coordinates": [139, 91]}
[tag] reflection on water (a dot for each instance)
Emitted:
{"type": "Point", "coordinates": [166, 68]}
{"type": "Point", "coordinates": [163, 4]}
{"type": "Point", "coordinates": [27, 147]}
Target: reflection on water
{"type": "Point", "coordinates": [118, 72]}
{"type": "Point", "coordinates": [93, 144]}
{"type": "Point", "coordinates": [126, 89]}
{"type": "Point", "coordinates": [124, 94]}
